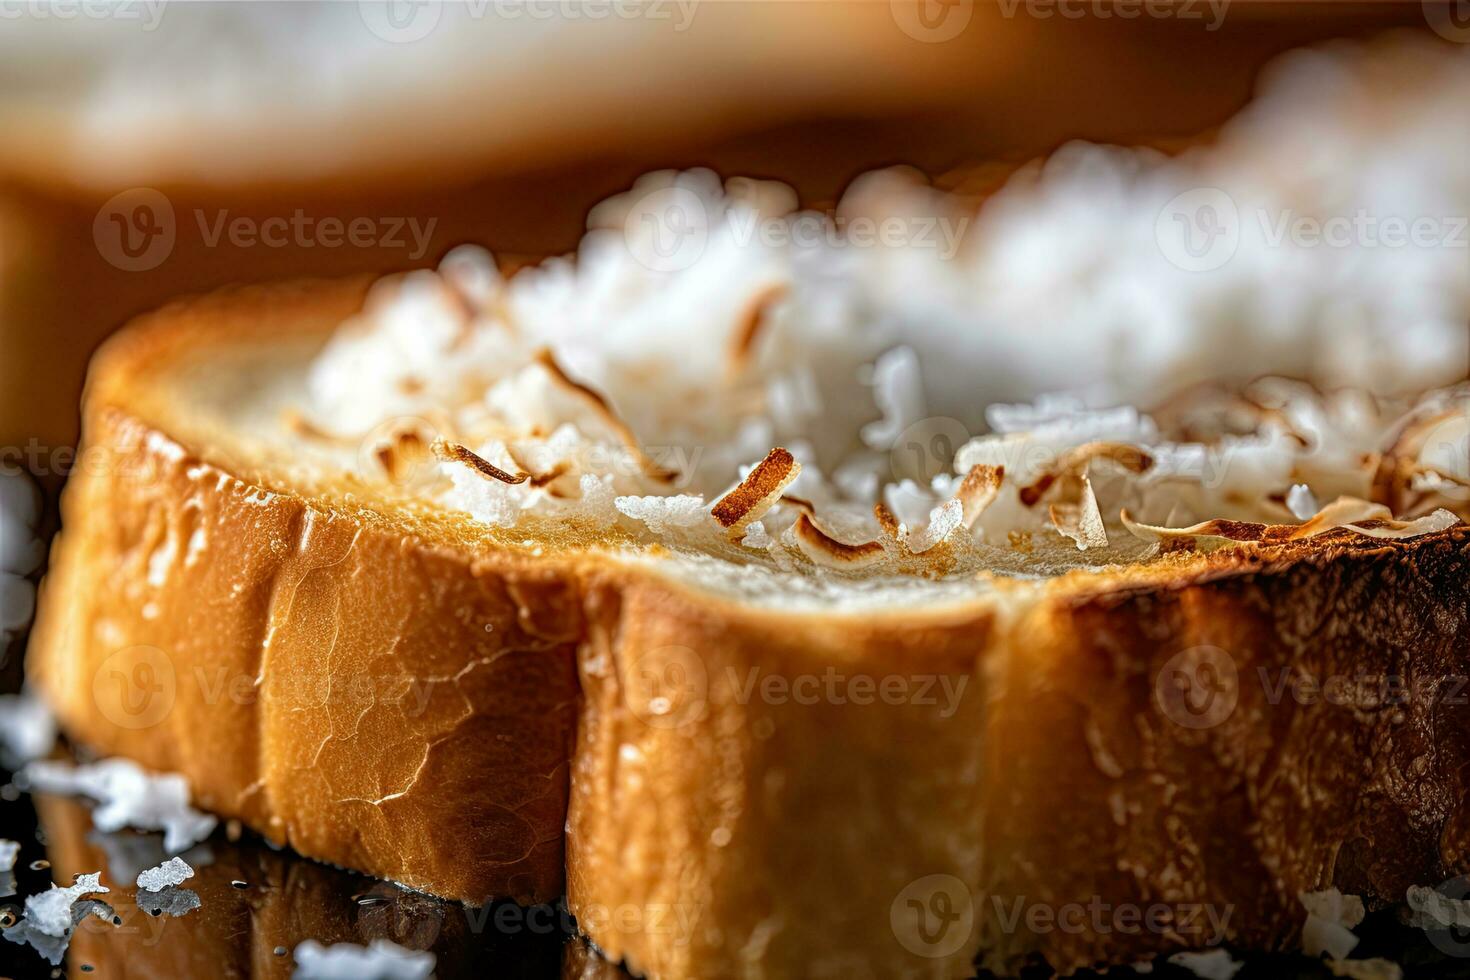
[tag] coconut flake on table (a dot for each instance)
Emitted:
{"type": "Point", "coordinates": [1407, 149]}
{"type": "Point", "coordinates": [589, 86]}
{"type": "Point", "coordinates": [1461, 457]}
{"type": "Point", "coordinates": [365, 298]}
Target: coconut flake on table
{"type": "Point", "coordinates": [1376, 968]}
{"type": "Point", "coordinates": [174, 871]}
{"type": "Point", "coordinates": [128, 796]}
{"type": "Point", "coordinates": [379, 960]}
{"type": "Point", "coordinates": [1214, 964]}
{"type": "Point", "coordinates": [1331, 917]}
{"type": "Point", "coordinates": [27, 729]}
{"type": "Point", "coordinates": [50, 912]}
{"type": "Point", "coordinates": [49, 918]}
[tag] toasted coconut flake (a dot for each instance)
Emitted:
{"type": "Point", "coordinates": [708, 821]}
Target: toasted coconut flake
{"type": "Point", "coordinates": [978, 491]}
{"type": "Point", "coordinates": [886, 520]}
{"type": "Point", "coordinates": [756, 314]}
{"type": "Point", "coordinates": [1349, 513]}
{"type": "Point", "coordinates": [397, 456]}
{"type": "Point", "coordinates": [1082, 521]}
{"type": "Point", "coordinates": [1074, 462]}
{"type": "Point", "coordinates": [600, 405]}
{"type": "Point", "coordinates": [757, 493]}
{"type": "Point", "coordinates": [300, 425]}
{"type": "Point", "coordinates": [825, 550]}
{"type": "Point", "coordinates": [1376, 968]}
{"type": "Point", "coordinates": [453, 452]}
{"type": "Point", "coordinates": [1440, 520]}
{"type": "Point", "coordinates": [1343, 510]}
{"type": "Point", "coordinates": [1217, 529]}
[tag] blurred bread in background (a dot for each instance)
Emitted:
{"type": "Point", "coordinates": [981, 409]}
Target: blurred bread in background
{"type": "Point", "coordinates": [432, 124]}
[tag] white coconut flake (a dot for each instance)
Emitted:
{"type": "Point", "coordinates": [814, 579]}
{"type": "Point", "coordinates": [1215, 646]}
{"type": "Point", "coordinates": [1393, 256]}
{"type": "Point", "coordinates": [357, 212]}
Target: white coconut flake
{"type": "Point", "coordinates": [174, 871]}
{"type": "Point", "coordinates": [379, 960]}
{"type": "Point", "coordinates": [27, 729]}
{"type": "Point", "coordinates": [9, 849]}
{"type": "Point", "coordinates": [1371, 969]}
{"type": "Point", "coordinates": [1301, 503]}
{"type": "Point", "coordinates": [943, 520]}
{"type": "Point", "coordinates": [898, 390]}
{"type": "Point", "coordinates": [51, 911]}
{"type": "Point", "coordinates": [662, 514]}
{"type": "Point", "coordinates": [756, 536]}
{"type": "Point", "coordinates": [1215, 964]}
{"type": "Point", "coordinates": [128, 796]}
{"type": "Point", "coordinates": [1432, 911]}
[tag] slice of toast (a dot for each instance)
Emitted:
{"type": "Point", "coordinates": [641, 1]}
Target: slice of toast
{"type": "Point", "coordinates": [760, 771]}
{"type": "Point", "coordinates": [365, 681]}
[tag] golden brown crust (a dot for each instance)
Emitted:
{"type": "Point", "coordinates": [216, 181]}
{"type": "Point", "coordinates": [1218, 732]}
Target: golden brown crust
{"type": "Point", "coordinates": [1013, 741]}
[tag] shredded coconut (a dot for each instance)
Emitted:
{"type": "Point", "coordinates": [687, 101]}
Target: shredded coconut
{"type": "Point", "coordinates": [1300, 502]}
{"type": "Point", "coordinates": [664, 513]}
{"type": "Point", "coordinates": [1371, 969]}
{"type": "Point", "coordinates": [128, 796]}
{"type": "Point", "coordinates": [174, 871]}
{"type": "Point", "coordinates": [604, 382]}
{"type": "Point", "coordinates": [1215, 964]}
{"type": "Point", "coordinates": [27, 729]}
{"type": "Point", "coordinates": [1331, 917]}
{"type": "Point", "coordinates": [379, 960]}
{"type": "Point", "coordinates": [9, 849]}
{"type": "Point", "coordinates": [51, 911]}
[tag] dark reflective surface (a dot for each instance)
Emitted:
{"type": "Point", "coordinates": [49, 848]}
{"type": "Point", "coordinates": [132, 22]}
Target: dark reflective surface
{"type": "Point", "coordinates": [253, 900]}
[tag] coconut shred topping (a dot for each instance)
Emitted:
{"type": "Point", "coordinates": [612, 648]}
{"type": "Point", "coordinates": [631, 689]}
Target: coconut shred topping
{"type": "Point", "coordinates": [858, 389]}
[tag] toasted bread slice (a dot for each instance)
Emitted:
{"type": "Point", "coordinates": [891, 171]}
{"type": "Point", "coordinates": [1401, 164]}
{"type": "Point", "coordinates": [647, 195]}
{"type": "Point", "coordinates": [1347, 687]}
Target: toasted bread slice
{"type": "Point", "coordinates": [368, 683]}
{"type": "Point", "coordinates": [760, 772]}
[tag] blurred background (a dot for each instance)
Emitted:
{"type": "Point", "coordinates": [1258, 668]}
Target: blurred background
{"type": "Point", "coordinates": [503, 123]}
